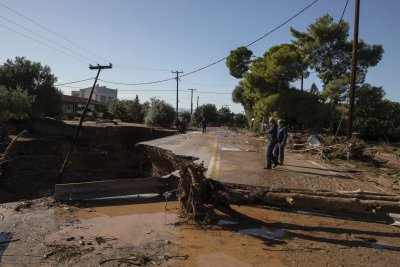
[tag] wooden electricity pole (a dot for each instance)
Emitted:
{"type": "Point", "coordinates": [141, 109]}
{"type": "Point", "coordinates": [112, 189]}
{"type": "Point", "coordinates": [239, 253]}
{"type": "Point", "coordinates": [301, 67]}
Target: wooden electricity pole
{"type": "Point", "coordinates": [177, 88]}
{"type": "Point", "coordinates": [353, 69]}
{"type": "Point", "coordinates": [98, 68]}
{"type": "Point", "coordinates": [191, 100]}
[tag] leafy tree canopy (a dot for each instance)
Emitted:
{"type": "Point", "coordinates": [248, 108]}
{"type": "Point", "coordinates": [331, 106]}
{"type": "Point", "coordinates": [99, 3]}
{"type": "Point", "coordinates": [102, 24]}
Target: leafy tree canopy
{"type": "Point", "coordinates": [15, 104]}
{"type": "Point", "coordinates": [160, 113]}
{"type": "Point", "coordinates": [238, 61]}
{"type": "Point", "coordinates": [37, 80]}
{"type": "Point", "coordinates": [296, 107]}
{"type": "Point", "coordinates": [207, 111]}
{"type": "Point", "coordinates": [328, 52]}
{"type": "Point", "coordinates": [336, 91]}
{"type": "Point", "coordinates": [118, 110]}
{"type": "Point", "coordinates": [134, 110]}
{"type": "Point", "coordinates": [225, 116]}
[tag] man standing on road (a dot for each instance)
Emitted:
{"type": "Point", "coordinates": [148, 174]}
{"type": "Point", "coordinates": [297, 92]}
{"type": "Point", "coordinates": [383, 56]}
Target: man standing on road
{"type": "Point", "coordinates": [204, 125]}
{"type": "Point", "coordinates": [273, 138]}
{"type": "Point", "coordinates": [280, 146]}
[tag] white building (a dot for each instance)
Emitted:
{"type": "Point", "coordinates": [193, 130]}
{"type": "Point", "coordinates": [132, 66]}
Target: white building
{"type": "Point", "coordinates": [100, 93]}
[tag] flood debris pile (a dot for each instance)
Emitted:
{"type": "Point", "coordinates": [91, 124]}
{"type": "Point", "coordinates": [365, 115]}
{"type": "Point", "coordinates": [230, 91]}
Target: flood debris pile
{"type": "Point", "coordinates": [332, 147]}
{"type": "Point", "coordinates": [200, 196]}
{"type": "Point", "coordinates": [79, 255]}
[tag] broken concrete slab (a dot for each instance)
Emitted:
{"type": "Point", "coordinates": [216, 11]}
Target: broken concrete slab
{"type": "Point", "coordinates": [113, 188]}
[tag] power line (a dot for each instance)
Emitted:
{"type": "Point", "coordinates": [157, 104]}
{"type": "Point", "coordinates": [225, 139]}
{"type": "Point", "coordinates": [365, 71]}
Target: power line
{"type": "Point", "coordinates": [53, 32]}
{"type": "Point", "coordinates": [88, 79]}
{"type": "Point", "coordinates": [134, 84]}
{"type": "Point", "coordinates": [217, 93]}
{"type": "Point", "coordinates": [40, 42]}
{"type": "Point", "coordinates": [151, 82]}
{"type": "Point", "coordinates": [144, 90]}
{"type": "Point", "coordinates": [167, 90]}
{"type": "Point", "coordinates": [222, 59]}
{"type": "Point", "coordinates": [73, 87]}
{"type": "Point", "coordinates": [207, 85]}
{"type": "Point", "coordinates": [118, 66]}
{"type": "Point", "coordinates": [282, 24]}
{"type": "Point", "coordinates": [344, 10]}
{"type": "Point", "coordinates": [255, 41]}
{"type": "Point", "coordinates": [121, 66]}
{"type": "Point", "coordinates": [47, 39]}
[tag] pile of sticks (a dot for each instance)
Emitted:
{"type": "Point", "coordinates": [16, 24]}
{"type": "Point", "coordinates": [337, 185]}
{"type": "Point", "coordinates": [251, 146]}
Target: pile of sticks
{"type": "Point", "coordinates": [331, 147]}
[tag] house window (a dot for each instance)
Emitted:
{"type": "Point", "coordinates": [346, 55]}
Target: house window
{"type": "Point", "coordinates": [103, 98]}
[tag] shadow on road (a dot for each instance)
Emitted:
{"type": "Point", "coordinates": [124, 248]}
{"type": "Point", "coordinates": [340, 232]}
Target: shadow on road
{"type": "Point", "coordinates": [359, 238]}
{"type": "Point", "coordinates": [314, 173]}
{"type": "Point", "coordinates": [314, 168]}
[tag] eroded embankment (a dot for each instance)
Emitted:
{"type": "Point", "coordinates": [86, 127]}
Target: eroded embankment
{"type": "Point", "coordinates": [103, 152]}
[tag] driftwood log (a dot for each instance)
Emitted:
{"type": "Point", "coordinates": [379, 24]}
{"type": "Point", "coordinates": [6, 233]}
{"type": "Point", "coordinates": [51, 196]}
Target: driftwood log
{"type": "Point", "coordinates": [199, 195]}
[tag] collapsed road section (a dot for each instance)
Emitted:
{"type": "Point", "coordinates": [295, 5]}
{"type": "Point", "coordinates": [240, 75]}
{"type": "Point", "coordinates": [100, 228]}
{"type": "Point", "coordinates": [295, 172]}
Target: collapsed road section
{"type": "Point", "coordinates": [199, 195]}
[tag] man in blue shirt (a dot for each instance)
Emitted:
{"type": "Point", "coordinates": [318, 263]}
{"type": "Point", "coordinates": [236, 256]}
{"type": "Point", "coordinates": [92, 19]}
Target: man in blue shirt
{"type": "Point", "coordinates": [281, 142]}
{"type": "Point", "coordinates": [273, 138]}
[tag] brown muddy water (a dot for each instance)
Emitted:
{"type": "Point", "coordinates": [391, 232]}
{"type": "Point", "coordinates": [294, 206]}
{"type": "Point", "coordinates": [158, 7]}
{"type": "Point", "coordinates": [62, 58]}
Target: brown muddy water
{"type": "Point", "coordinates": [227, 243]}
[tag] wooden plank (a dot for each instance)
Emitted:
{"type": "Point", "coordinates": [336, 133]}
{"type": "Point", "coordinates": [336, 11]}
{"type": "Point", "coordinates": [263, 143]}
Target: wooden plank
{"type": "Point", "coordinates": [110, 188]}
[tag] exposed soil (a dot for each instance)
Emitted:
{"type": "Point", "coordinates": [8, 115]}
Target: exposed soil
{"type": "Point", "coordinates": [104, 151]}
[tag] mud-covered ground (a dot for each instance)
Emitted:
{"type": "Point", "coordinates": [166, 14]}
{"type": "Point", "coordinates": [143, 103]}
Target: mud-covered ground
{"type": "Point", "coordinates": [41, 232]}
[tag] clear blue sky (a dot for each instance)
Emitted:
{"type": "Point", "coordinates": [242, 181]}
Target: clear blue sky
{"type": "Point", "coordinates": [155, 37]}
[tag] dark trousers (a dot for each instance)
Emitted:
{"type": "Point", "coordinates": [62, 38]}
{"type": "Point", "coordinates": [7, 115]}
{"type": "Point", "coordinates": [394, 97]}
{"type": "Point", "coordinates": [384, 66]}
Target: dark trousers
{"type": "Point", "coordinates": [279, 152]}
{"type": "Point", "coordinates": [204, 129]}
{"type": "Point", "coordinates": [270, 155]}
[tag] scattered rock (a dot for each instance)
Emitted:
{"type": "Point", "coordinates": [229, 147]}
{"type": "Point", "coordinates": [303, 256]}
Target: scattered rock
{"type": "Point", "coordinates": [384, 181]}
{"type": "Point", "coordinates": [23, 205]}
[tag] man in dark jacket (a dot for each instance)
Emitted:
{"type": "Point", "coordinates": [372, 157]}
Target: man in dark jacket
{"type": "Point", "coordinates": [204, 125]}
{"type": "Point", "coordinates": [273, 138]}
{"type": "Point", "coordinates": [280, 146]}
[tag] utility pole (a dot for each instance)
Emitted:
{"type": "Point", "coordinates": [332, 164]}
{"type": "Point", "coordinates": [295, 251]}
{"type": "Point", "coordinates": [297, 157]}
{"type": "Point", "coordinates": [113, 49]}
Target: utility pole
{"type": "Point", "coordinates": [177, 87]}
{"type": "Point", "coordinates": [197, 103]}
{"type": "Point", "coordinates": [353, 69]}
{"type": "Point", "coordinates": [191, 100]}
{"type": "Point", "coordinates": [98, 68]}
{"type": "Point", "coordinates": [302, 76]}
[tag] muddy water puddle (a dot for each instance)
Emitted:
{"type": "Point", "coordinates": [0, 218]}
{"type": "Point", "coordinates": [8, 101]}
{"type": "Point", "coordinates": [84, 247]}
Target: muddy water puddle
{"type": "Point", "coordinates": [226, 244]}
{"type": "Point", "coordinates": [219, 247]}
{"type": "Point", "coordinates": [123, 225]}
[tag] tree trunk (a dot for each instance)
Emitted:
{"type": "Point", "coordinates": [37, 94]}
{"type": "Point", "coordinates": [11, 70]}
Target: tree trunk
{"type": "Point", "coordinates": [328, 201]}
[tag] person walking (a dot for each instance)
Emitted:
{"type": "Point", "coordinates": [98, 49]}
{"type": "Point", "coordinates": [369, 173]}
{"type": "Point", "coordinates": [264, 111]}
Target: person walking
{"type": "Point", "coordinates": [204, 125]}
{"type": "Point", "coordinates": [281, 142]}
{"type": "Point", "coordinates": [273, 138]}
